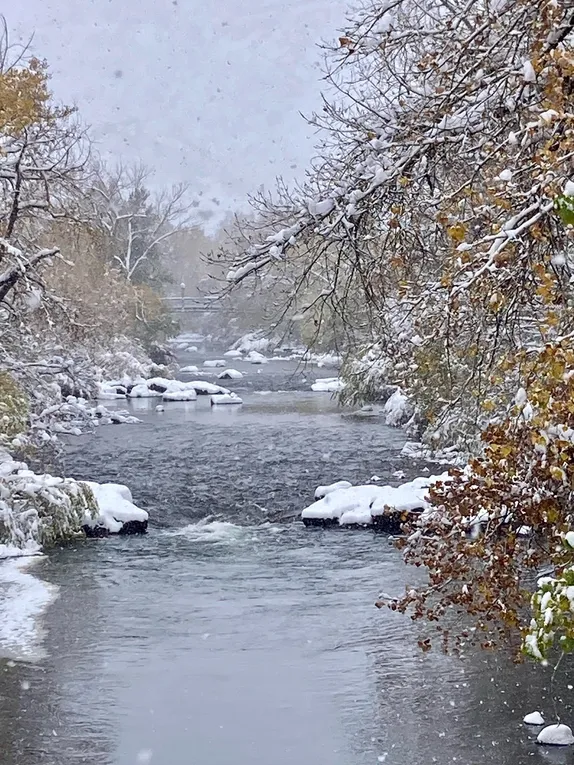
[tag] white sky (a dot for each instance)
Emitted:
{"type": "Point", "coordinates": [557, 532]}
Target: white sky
{"type": "Point", "coordinates": [207, 92]}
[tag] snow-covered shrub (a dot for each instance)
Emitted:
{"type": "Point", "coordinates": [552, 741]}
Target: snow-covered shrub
{"type": "Point", "coordinates": [552, 621]}
{"type": "Point", "coordinates": [13, 408]}
{"type": "Point", "coordinates": [38, 510]}
{"type": "Point", "coordinates": [397, 409]}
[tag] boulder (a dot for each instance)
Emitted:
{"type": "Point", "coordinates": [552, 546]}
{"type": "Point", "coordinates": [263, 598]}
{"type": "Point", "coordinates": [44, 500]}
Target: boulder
{"type": "Point", "coordinates": [556, 735]}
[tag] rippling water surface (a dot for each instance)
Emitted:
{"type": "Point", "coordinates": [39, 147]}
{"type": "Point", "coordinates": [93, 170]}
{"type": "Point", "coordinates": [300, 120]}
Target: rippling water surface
{"type": "Point", "coordinates": [230, 634]}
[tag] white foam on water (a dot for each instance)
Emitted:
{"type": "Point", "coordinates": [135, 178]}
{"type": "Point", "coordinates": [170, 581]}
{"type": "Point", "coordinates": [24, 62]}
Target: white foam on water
{"type": "Point", "coordinates": [208, 530]}
{"type": "Point", "coordinates": [23, 600]}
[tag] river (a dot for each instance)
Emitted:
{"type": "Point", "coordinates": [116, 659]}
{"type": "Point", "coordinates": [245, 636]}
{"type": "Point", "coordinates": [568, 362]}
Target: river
{"type": "Point", "coordinates": [232, 635]}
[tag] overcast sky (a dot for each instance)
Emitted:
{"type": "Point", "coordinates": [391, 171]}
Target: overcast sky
{"type": "Point", "coordinates": [207, 92]}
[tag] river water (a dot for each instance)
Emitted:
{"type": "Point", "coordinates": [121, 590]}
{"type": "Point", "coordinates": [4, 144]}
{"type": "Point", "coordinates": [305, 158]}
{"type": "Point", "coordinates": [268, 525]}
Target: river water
{"type": "Point", "coordinates": [232, 635]}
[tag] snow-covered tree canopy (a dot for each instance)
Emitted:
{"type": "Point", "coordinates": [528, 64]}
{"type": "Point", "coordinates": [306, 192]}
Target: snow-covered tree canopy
{"type": "Point", "coordinates": [440, 197]}
{"type": "Point", "coordinates": [441, 204]}
{"type": "Point", "coordinates": [137, 224]}
{"type": "Point", "coordinates": [42, 156]}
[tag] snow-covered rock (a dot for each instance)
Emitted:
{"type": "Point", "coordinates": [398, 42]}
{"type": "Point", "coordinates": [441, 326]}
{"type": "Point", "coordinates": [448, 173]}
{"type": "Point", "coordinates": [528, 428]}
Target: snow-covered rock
{"type": "Point", "coordinates": [188, 394]}
{"type": "Point", "coordinates": [174, 390]}
{"type": "Point", "coordinates": [397, 409]}
{"type": "Point", "coordinates": [322, 491]}
{"type": "Point", "coordinates": [110, 391]}
{"type": "Point", "coordinates": [142, 391]}
{"type": "Point", "coordinates": [160, 408]}
{"type": "Point", "coordinates": [226, 398]}
{"type": "Point", "coordinates": [233, 354]}
{"type": "Point", "coordinates": [252, 341]}
{"type": "Point", "coordinates": [254, 357]}
{"type": "Point", "coordinates": [203, 388]}
{"type": "Point", "coordinates": [364, 505]}
{"type": "Point", "coordinates": [190, 369]}
{"type": "Point", "coordinates": [556, 735]}
{"type": "Point", "coordinates": [230, 374]}
{"type": "Point", "coordinates": [116, 512]}
{"type": "Point", "coordinates": [328, 385]}
{"type": "Point", "coordinates": [214, 363]}
{"type": "Point", "coordinates": [320, 359]}
{"type": "Point", "coordinates": [534, 718]}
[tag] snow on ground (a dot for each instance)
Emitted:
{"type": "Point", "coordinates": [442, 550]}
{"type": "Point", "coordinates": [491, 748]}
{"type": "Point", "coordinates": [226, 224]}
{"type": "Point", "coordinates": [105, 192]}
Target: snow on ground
{"type": "Point", "coordinates": [328, 385]}
{"type": "Point", "coordinates": [226, 398]}
{"type": "Point", "coordinates": [230, 374]}
{"type": "Point", "coordinates": [360, 504]}
{"type": "Point", "coordinates": [115, 507]}
{"type": "Point", "coordinates": [556, 735]}
{"type": "Point", "coordinates": [23, 600]}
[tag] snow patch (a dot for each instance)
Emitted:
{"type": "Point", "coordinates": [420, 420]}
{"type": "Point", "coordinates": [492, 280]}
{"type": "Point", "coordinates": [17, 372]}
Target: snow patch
{"type": "Point", "coordinates": [23, 600]}
{"type": "Point", "coordinates": [322, 491]}
{"type": "Point", "coordinates": [528, 72]}
{"type": "Point", "coordinates": [328, 385]}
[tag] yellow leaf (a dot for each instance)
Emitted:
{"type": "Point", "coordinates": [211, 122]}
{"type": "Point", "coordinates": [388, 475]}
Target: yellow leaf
{"type": "Point", "coordinates": [457, 232]}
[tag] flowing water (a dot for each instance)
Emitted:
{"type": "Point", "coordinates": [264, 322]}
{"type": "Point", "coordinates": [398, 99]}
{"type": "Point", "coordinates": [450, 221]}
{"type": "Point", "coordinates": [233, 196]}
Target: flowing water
{"type": "Point", "coordinates": [232, 635]}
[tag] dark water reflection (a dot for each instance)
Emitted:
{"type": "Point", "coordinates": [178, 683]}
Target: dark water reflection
{"type": "Point", "coordinates": [227, 637]}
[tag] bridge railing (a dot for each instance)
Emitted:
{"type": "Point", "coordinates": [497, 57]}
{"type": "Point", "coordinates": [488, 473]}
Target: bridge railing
{"type": "Point", "coordinates": [205, 304]}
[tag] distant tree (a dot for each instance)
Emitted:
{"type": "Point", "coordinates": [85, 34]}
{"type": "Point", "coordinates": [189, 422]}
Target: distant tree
{"type": "Point", "coordinates": [137, 222]}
